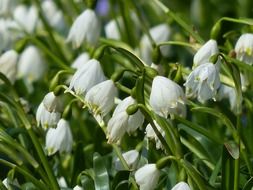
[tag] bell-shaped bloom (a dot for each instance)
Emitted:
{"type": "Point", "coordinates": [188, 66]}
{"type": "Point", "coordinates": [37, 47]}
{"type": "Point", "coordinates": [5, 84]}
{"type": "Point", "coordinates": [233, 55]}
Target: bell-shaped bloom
{"type": "Point", "coordinates": [26, 18]}
{"type": "Point", "coordinates": [167, 97]}
{"type": "Point", "coordinates": [150, 133]}
{"type": "Point", "coordinates": [86, 77]}
{"type": "Point", "coordinates": [181, 186]}
{"type": "Point", "coordinates": [45, 118]}
{"type": "Point", "coordinates": [59, 138]}
{"type": "Point", "coordinates": [244, 48]}
{"type": "Point", "coordinates": [203, 55]}
{"type": "Point", "coordinates": [86, 28]}
{"type": "Point", "coordinates": [131, 157]}
{"type": "Point", "coordinates": [53, 15]}
{"type": "Point", "coordinates": [121, 122]}
{"type": "Point", "coordinates": [52, 103]}
{"type": "Point", "coordinates": [112, 29]}
{"type": "Point", "coordinates": [227, 92]}
{"type": "Point", "coordinates": [203, 82]}
{"type": "Point", "coordinates": [8, 64]}
{"type": "Point", "coordinates": [147, 177]}
{"type": "Point", "coordinates": [159, 33]}
{"type": "Point", "coordinates": [100, 99]}
{"type": "Point", "coordinates": [80, 60]}
{"type": "Point", "coordinates": [77, 187]}
{"type": "Point", "coordinates": [30, 65]}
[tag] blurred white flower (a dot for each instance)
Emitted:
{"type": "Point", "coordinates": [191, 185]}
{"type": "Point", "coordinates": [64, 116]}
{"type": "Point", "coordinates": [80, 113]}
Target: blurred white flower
{"type": "Point", "coordinates": [131, 158]}
{"type": "Point", "coordinates": [86, 28]}
{"type": "Point", "coordinates": [150, 133]}
{"type": "Point", "coordinates": [53, 15]}
{"type": "Point", "coordinates": [147, 177]}
{"type": "Point", "coordinates": [59, 138]}
{"type": "Point", "coordinates": [6, 7]}
{"type": "Point", "coordinates": [167, 97]}
{"type": "Point", "coordinates": [100, 99]}
{"type": "Point", "coordinates": [159, 33]}
{"type": "Point", "coordinates": [80, 60]}
{"type": "Point", "coordinates": [227, 92]}
{"type": "Point", "coordinates": [52, 103]}
{"type": "Point", "coordinates": [77, 187]}
{"type": "Point", "coordinates": [112, 30]}
{"type": "Point", "coordinates": [86, 77]}
{"type": "Point", "coordinates": [6, 36]}
{"type": "Point", "coordinates": [30, 65]}
{"type": "Point", "coordinates": [181, 186]}
{"type": "Point", "coordinates": [62, 182]}
{"type": "Point", "coordinates": [26, 18]}
{"type": "Point", "coordinates": [203, 82]}
{"type": "Point", "coordinates": [45, 118]}
{"type": "Point", "coordinates": [244, 48]}
{"type": "Point", "coordinates": [203, 55]}
{"type": "Point", "coordinates": [8, 64]}
{"type": "Point", "coordinates": [121, 122]}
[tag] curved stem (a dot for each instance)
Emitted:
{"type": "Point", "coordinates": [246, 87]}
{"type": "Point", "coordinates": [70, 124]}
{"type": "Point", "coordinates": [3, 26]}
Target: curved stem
{"type": "Point", "coordinates": [178, 43]}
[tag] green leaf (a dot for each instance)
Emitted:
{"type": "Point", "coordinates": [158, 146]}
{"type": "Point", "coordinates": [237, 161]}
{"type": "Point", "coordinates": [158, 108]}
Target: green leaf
{"type": "Point", "coordinates": [233, 149]}
{"type": "Point", "coordinates": [120, 180]}
{"type": "Point", "coordinates": [101, 176]}
{"type": "Point", "coordinates": [249, 184]}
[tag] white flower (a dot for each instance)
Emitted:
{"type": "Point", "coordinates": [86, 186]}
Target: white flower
{"type": "Point", "coordinates": [203, 82]}
{"type": "Point", "coordinates": [8, 64]}
{"type": "Point", "coordinates": [80, 60]}
{"type": "Point", "coordinates": [30, 65]}
{"type": "Point", "coordinates": [244, 48]}
{"type": "Point", "coordinates": [86, 77]}
{"type": "Point", "coordinates": [100, 98]}
{"type": "Point", "coordinates": [45, 118]}
{"type": "Point", "coordinates": [62, 182]}
{"type": "Point", "coordinates": [52, 103]}
{"type": "Point", "coordinates": [150, 133]}
{"type": "Point", "coordinates": [131, 158]}
{"type": "Point", "coordinates": [86, 28]}
{"type": "Point", "coordinates": [112, 30]}
{"type": "Point", "coordinates": [147, 177]}
{"type": "Point", "coordinates": [203, 55]}
{"type": "Point", "coordinates": [77, 187]}
{"type": "Point", "coordinates": [53, 15]}
{"type": "Point", "coordinates": [6, 36]}
{"type": "Point", "coordinates": [59, 138]}
{"type": "Point", "coordinates": [6, 6]}
{"type": "Point", "coordinates": [159, 33]}
{"type": "Point", "coordinates": [227, 92]}
{"type": "Point", "coordinates": [167, 97]}
{"type": "Point", "coordinates": [26, 18]}
{"type": "Point", "coordinates": [181, 186]}
{"type": "Point", "coordinates": [121, 122]}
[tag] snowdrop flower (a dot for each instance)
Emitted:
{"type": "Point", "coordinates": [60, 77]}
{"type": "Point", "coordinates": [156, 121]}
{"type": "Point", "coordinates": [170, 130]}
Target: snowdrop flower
{"type": "Point", "coordinates": [30, 65]}
{"type": "Point", "coordinates": [86, 77]}
{"type": "Point", "coordinates": [203, 82]}
{"type": "Point", "coordinates": [52, 103]}
{"type": "Point", "coordinates": [8, 64]}
{"type": "Point", "coordinates": [26, 18]}
{"type": "Point", "coordinates": [150, 133]}
{"type": "Point", "coordinates": [100, 99]}
{"type": "Point", "coordinates": [45, 118]}
{"type": "Point", "coordinates": [5, 36]}
{"type": "Point", "coordinates": [244, 48]}
{"type": "Point", "coordinates": [77, 187]}
{"type": "Point", "coordinates": [112, 30]}
{"type": "Point", "coordinates": [167, 97]}
{"type": "Point", "coordinates": [62, 182]}
{"type": "Point", "coordinates": [147, 177]}
{"type": "Point", "coordinates": [80, 60]}
{"type": "Point", "coordinates": [203, 55]}
{"type": "Point", "coordinates": [52, 14]}
{"type": "Point", "coordinates": [131, 158]}
{"type": "Point", "coordinates": [159, 33]}
{"type": "Point", "coordinates": [86, 28]}
{"type": "Point", "coordinates": [227, 92]}
{"type": "Point", "coordinates": [181, 186]}
{"type": "Point", "coordinates": [121, 122]}
{"type": "Point", "coordinates": [59, 138]}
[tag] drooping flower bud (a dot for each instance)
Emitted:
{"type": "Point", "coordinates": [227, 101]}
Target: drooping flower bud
{"type": "Point", "coordinates": [59, 138]}
{"type": "Point", "coordinates": [131, 158]}
{"type": "Point", "coordinates": [150, 133]}
{"type": "Point", "coordinates": [80, 60]}
{"type": "Point", "coordinates": [167, 97]}
{"type": "Point", "coordinates": [181, 186]}
{"type": "Point", "coordinates": [203, 82]}
{"type": "Point", "coordinates": [112, 30]}
{"type": "Point", "coordinates": [86, 28]}
{"type": "Point", "coordinates": [52, 103]}
{"type": "Point", "coordinates": [147, 177]}
{"type": "Point", "coordinates": [244, 48]}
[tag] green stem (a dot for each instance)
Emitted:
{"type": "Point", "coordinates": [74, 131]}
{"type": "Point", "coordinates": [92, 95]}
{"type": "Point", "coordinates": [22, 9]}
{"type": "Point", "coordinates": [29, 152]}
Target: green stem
{"type": "Point", "coordinates": [237, 161]}
{"type": "Point", "coordinates": [123, 88]}
{"type": "Point", "coordinates": [121, 158]}
{"type": "Point", "coordinates": [182, 23]}
{"type": "Point", "coordinates": [178, 43]}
